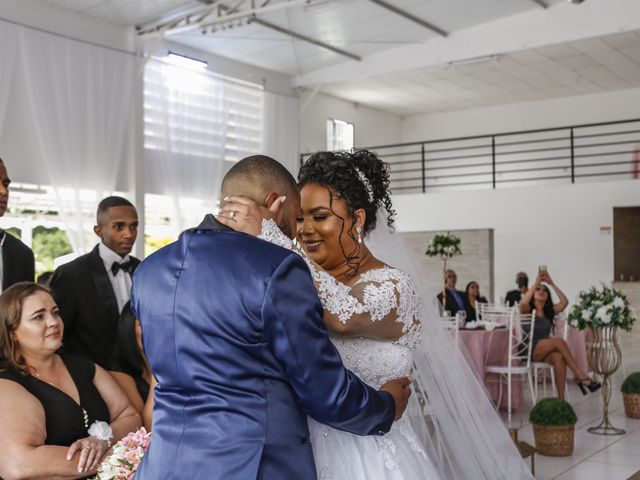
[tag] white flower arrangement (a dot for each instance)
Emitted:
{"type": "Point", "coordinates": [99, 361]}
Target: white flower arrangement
{"type": "Point", "coordinates": [444, 246]}
{"type": "Point", "coordinates": [601, 308]}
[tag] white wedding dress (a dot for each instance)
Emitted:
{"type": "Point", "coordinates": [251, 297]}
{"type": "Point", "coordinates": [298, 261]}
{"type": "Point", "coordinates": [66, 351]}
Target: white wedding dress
{"type": "Point", "coordinates": [376, 301]}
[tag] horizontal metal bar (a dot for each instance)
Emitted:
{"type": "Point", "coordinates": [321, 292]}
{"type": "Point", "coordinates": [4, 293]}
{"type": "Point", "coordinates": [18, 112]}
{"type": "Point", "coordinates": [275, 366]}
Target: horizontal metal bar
{"type": "Point", "coordinates": [521, 132]}
{"type": "Point", "coordinates": [550, 149]}
{"type": "Point", "coordinates": [605, 154]}
{"type": "Point", "coordinates": [605, 164]}
{"type": "Point", "coordinates": [534, 150]}
{"type": "Point", "coordinates": [538, 140]}
{"type": "Point", "coordinates": [591, 135]}
{"type": "Point", "coordinates": [396, 172]}
{"type": "Point", "coordinates": [509, 162]}
{"type": "Point", "coordinates": [604, 174]}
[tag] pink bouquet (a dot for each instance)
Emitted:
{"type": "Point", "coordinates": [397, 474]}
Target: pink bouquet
{"type": "Point", "coordinates": [125, 457]}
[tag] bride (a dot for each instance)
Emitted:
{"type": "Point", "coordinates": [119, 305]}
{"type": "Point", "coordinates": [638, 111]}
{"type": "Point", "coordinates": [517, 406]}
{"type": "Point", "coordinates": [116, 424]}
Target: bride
{"type": "Point", "coordinates": [374, 314]}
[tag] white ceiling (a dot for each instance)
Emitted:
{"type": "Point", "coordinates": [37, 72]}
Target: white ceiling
{"type": "Point", "coordinates": [361, 27]}
{"type": "Point", "coordinates": [588, 66]}
{"type": "Point", "coordinates": [123, 12]}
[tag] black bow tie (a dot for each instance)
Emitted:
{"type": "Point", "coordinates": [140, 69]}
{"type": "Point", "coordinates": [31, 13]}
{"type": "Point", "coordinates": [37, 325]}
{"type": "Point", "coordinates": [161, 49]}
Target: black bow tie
{"type": "Point", "coordinates": [125, 267]}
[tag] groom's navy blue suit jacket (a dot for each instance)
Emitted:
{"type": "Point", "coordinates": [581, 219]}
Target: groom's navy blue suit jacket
{"type": "Point", "coordinates": [232, 327]}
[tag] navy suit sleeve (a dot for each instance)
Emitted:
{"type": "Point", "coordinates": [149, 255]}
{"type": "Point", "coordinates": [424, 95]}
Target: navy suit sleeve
{"type": "Point", "coordinates": [295, 332]}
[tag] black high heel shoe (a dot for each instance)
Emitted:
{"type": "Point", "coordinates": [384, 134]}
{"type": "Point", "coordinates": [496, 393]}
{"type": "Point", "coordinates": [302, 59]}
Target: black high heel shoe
{"type": "Point", "coordinates": [592, 386]}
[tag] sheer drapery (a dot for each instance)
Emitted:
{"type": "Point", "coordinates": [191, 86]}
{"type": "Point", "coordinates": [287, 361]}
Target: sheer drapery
{"type": "Point", "coordinates": [80, 99]}
{"type": "Point", "coordinates": [470, 433]}
{"type": "Point", "coordinates": [280, 130]}
{"type": "Point", "coordinates": [8, 36]}
{"type": "Point", "coordinates": [196, 125]}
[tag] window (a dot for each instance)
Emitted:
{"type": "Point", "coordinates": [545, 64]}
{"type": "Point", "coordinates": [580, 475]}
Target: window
{"type": "Point", "coordinates": [197, 113]}
{"type": "Point", "coordinates": [339, 135]}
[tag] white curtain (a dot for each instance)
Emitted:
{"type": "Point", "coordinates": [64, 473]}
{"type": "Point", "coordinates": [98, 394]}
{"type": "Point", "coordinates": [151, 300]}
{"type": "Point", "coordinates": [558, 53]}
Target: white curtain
{"type": "Point", "coordinates": [80, 98]}
{"type": "Point", "coordinates": [281, 130]}
{"type": "Point", "coordinates": [8, 36]}
{"type": "Point", "coordinates": [196, 126]}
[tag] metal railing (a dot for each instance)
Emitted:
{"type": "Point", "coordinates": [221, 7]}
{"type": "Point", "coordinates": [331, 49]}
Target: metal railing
{"type": "Point", "coordinates": [589, 152]}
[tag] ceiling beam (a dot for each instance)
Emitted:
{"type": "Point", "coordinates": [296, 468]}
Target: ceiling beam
{"type": "Point", "coordinates": [216, 13]}
{"type": "Point", "coordinates": [534, 28]}
{"type": "Point", "coordinates": [408, 16]}
{"type": "Point", "coordinates": [541, 3]}
{"type": "Point", "coordinates": [305, 38]}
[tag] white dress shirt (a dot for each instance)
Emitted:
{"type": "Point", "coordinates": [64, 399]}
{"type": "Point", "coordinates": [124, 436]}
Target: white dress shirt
{"type": "Point", "coordinates": [121, 281]}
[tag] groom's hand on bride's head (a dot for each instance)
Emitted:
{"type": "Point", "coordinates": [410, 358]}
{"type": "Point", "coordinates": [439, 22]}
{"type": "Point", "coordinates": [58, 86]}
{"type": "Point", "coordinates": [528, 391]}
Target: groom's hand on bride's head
{"type": "Point", "coordinates": [400, 390]}
{"type": "Point", "coordinates": [245, 215]}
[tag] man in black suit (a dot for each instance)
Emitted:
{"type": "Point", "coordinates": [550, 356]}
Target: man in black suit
{"type": "Point", "coordinates": [92, 289]}
{"type": "Point", "coordinates": [454, 298]}
{"type": "Point", "coordinates": [514, 296]}
{"type": "Point", "coordinates": [18, 264]}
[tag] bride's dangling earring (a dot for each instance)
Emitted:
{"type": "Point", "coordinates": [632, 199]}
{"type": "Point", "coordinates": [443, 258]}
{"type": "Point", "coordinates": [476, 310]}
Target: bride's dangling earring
{"type": "Point", "coordinates": [359, 230]}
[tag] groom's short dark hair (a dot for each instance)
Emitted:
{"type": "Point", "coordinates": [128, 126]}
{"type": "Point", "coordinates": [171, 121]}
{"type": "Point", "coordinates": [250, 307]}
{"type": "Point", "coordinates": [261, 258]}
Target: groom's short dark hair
{"type": "Point", "coordinates": [260, 174]}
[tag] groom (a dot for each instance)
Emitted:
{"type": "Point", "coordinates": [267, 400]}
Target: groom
{"type": "Point", "coordinates": [232, 327]}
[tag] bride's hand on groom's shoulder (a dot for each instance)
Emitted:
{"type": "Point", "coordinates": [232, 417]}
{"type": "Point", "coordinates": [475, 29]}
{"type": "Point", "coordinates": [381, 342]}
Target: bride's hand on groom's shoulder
{"type": "Point", "coordinates": [245, 215]}
{"type": "Point", "coordinates": [400, 390]}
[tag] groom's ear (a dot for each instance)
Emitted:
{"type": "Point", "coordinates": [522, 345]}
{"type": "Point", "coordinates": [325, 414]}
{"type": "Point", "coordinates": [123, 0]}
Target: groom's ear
{"type": "Point", "coordinates": [272, 197]}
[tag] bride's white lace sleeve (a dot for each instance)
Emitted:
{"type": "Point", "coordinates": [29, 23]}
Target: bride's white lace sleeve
{"type": "Point", "coordinates": [381, 304]}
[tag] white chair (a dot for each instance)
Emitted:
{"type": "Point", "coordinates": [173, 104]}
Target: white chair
{"type": "Point", "coordinates": [451, 324]}
{"type": "Point", "coordinates": [520, 331]}
{"type": "Point", "coordinates": [429, 414]}
{"type": "Point", "coordinates": [493, 312]}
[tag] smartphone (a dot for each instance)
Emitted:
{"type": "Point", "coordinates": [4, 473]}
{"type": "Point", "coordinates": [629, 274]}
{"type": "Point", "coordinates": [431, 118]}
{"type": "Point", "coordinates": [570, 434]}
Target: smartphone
{"type": "Point", "coordinates": [542, 269]}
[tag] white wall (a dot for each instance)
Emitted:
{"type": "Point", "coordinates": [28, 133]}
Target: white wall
{"type": "Point", "coordinates": [558, 226]}
{"type": "Point", "coordinates": [371, 126]}
{"type": "Point", "coordinates": [554, 112]}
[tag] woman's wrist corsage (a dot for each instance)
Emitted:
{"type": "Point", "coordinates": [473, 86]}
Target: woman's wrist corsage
{"type": "Point", "coordinates": [101, 431]}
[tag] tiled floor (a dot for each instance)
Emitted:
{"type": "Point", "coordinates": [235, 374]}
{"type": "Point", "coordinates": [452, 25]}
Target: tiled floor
{"type": "Point", "coordinates": [595, 457]}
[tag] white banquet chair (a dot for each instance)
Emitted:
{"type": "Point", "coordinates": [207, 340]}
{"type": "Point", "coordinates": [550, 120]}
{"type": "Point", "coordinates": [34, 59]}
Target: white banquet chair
{"type": "Point", "coordinates": [520, 330]}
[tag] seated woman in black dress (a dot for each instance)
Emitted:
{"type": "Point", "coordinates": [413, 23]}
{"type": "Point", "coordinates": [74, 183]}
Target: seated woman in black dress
{"type": "Point", "coordinates": [129, 366]}
{"type": "Point", "coordinates": [553, 351]}
{"type": "Point", "coordinates": [49, 400]}
{"type": "Point", "coordinates": [472, 295]}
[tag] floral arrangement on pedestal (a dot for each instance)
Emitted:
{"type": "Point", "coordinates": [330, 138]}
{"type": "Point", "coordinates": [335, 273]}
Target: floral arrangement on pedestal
{"type": "Point", "coordinates": [603, 307]}
{"type": "Point", "coordinates": [444, 246]}
{"type": "Point", "coordinates": [125, 457]}
{"type": "Point", "coordinates": [604, 310]}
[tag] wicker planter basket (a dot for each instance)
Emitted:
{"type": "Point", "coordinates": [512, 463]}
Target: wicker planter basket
{"type": "Point", "coordinates": [632, 404]}
{"type": "Point", "coordinates": [554, 441]}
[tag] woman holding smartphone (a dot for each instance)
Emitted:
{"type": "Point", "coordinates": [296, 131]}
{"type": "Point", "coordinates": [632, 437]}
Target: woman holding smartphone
{"type": "Point", "coordinates": [553, 351]}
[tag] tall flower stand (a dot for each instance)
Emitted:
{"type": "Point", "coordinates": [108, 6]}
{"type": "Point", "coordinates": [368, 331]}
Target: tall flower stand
{"type": "Point", "coordinates": [604, 358]}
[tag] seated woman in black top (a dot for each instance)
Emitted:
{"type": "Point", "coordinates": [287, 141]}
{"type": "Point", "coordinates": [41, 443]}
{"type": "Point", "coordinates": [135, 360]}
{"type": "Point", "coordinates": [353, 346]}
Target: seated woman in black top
{"type": "Point", "coordinates": [48, 400]}
{"type": "Point", "coordinates": [472, 295]}
{"type": "Point", "coordinates": [552, 350]}
{"type": "Point", "coordinates": [129, 366]}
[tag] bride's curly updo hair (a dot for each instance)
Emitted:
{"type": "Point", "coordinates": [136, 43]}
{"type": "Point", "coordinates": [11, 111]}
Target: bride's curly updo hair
{"type": "Point", "coordinates": [359, 177]}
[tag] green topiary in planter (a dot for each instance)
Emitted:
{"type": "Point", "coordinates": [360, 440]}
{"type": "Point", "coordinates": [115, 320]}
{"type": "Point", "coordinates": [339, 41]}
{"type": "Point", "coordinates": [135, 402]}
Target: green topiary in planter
{"type": "Point", "coordinates": [631, 384]}
{"type": "Point", "coordinates": [553, 412]}
{"type": "Point", "coordinates": [631, 395]}
{"type": "Point", "coordinates": [553, 421]}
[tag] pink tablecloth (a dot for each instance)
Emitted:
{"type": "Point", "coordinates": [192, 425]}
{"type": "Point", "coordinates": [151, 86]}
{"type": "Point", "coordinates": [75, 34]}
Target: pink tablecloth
{"type": "Point", "coordinates": [486, 348]}
{"type": "Point", "coordinates": [491, 348]}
